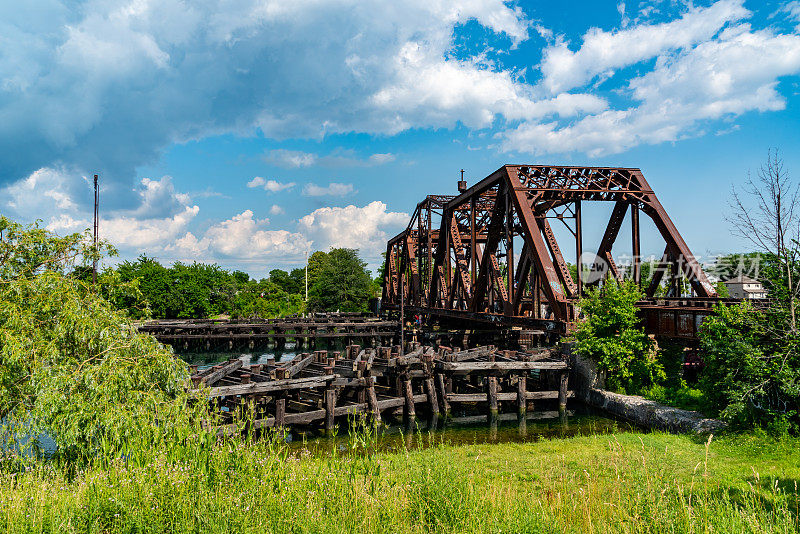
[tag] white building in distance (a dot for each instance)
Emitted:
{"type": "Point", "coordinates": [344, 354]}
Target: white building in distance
{"type": "Point", "coordinates": [744, 287]}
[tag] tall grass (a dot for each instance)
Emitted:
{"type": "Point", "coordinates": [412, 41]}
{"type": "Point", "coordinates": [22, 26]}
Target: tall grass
{"type": "Point", "coordinates": [613, 483]}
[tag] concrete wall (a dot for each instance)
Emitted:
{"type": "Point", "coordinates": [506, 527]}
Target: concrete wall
{"type": "Point", "coordinates": [589, 386]}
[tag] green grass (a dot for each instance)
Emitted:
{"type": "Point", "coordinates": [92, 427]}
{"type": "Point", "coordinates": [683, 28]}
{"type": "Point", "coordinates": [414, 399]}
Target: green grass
{"type": "Point", "coordinates": [612, 483]}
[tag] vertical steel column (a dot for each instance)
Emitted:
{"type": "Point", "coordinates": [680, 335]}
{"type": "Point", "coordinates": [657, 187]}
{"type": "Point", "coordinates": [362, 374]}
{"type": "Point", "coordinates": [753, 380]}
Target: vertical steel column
{"type": "Point", "coordinates": [473, 243]}
{"type": "Point", "coordinates": [636, 245]}
{"type": "Point", "coordinates": [429, 269]}
{"type": "Point", "coordinates": [578, 248]}
{"type": "Point", "coordinates": [510, 256]}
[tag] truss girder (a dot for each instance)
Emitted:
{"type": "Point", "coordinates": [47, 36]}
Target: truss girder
{"type": "Point", "coordinates": [465, 244]}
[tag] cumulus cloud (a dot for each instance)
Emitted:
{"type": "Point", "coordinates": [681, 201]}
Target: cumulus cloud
{"type": "Point", "coordinates": [276, 210]}
{"type": "Point", "coordinates": [110, 84]}
{"type": "Point", "coordinates": [273, 186]}
{"type": "Point", "coordinates": [735, 72]}
{"type": "Point", "coordinates": [63, 201]}
{"type": "Point", "coordinates": [333, 189]}
{"type": "Point", "coordinates": [601, 51]}
{"type": "Point", "coordinates": [243, 236]}
{"type": "Point", "coordinates": [725, 77]}
{"type": "Point", "coordinates": [365, 228]}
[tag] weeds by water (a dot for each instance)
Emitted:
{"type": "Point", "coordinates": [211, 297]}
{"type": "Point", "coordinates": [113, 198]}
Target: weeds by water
{"type": "Point", "coordinates": [614, 483]}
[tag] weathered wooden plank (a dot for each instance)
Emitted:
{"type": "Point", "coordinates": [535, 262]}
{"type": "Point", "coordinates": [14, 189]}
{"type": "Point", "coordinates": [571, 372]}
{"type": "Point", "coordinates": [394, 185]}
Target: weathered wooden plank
{"type": "Point", "coordinates": [296, 366]}
{"type": "Point", "coordinates": [212, 377]}
{"type": "Point", "coordinates": [272, 386]}
{"type": "Point", "coordinates": [499, 366]}
{"type": "Point", "coordinates": [506, 396]}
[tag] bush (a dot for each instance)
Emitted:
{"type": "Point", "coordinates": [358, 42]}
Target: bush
{"type": "Point", "coordinates": [752, 370]}
{"type": "Point", "coordinates": [612, 336]}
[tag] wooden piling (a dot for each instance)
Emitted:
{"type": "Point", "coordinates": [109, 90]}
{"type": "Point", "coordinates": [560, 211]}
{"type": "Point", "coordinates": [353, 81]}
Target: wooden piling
{"type": "Point", "coordinates": [430, 390]}
{"type": "Point", "coordinates": [330, 407]}
{"type": "Point", "coordinates": [280, 411]}
{"type": "Point", "coordinates": [408, 392]}
{"type": "Point", "coordinates": [444, 403]}
{"type": "Point", "coordinates": [492, 395]}
{"type": "Point", "coordinates": [522, 401]}
{"type": "Point", "coordinates": [562, 391]}
{"type": "Point", "coordinates": [372, 399]}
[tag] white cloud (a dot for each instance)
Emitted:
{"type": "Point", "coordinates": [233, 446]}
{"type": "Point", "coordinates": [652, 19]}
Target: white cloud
{"type": "Point", "coordinates": [292, 159]}
{"type": "Point", "coordinates": [601, 52]}
{"type": "Point", "coordinates": [276, 210]}
{"type": "Point", "coordinates": [241, 237]}
{"type": "Point", "coordinates": [333, 189]}
{"type": "Point", "coordinates": [273, 186]}
{"type": "Point", "coordinates": [722, 78]}
{"type": "Point", "coordinates": [364, 228]}
{"type": "Point", "coordinates": [793, 10]}
{"type": "Point", "coordinates": [380, 159]}
{"type": "Point", "coordinates": [64, 202]}
{"type": "Point", "coordinates": [338, 158]}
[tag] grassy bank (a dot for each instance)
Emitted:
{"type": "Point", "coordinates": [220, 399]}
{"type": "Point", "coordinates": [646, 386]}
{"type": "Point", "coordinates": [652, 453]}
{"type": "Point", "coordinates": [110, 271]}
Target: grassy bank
{"type": "Point", "coordinates": [612, 483]}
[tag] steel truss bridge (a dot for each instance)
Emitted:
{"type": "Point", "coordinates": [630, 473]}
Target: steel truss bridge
{"type": "Point", "coordinates": [452, 261]}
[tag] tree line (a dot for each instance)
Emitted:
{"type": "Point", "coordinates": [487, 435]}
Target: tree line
{"type": "Point", "coordinates": [338, 280]}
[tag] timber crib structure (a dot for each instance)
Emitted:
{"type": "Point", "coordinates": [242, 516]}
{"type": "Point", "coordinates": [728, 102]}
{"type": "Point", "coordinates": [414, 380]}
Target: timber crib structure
{"type": "Point", "coordinates": [456, 260]}
{"type": "Point", "coordinates": [317, 388]}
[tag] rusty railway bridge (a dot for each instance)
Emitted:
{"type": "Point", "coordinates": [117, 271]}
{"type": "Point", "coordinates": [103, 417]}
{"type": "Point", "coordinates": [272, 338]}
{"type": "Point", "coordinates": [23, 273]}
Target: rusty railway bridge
{"type": "Point", "coordinates": [456, 263]}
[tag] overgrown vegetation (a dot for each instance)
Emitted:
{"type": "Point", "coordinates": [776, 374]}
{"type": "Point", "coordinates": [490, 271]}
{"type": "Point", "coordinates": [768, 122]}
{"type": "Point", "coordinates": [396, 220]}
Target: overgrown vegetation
{"type": "Point", "coordinates": [612, 336]}
{"type": "Point", "coordinates": [70, 363]}
{"type": "Point", "coordinates": [611, 483]}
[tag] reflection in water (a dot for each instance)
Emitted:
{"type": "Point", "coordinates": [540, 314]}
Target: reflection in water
{"type": "Point", "coordinates": [468, 430]}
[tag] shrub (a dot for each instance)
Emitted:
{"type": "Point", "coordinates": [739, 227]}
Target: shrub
{"type": "Point", "coordinates": [752, 370]}
{"type": "Point", "coordinates": [612, 336]}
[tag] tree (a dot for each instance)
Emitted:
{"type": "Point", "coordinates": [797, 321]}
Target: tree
{"type": "Point", "coordinates": [612, 335]}
{"type": "Point", "coordinates": [70, 363]}
{"type": "Point", "coordinates": [341, 281]}
{"type": "Point", "coordinates": [771, 224]}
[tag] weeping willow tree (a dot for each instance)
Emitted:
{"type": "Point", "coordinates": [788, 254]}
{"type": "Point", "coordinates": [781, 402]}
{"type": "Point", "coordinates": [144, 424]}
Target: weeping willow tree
{"type": "Point", "coordinates": [71, 364]}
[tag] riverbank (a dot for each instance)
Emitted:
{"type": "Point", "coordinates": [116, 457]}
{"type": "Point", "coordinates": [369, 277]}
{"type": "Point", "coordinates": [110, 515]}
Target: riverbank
{"type": "Point", "coordinates": [628, 482]}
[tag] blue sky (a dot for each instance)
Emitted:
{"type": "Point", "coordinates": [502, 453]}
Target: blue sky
{"type": "Point", "coordinates": [250, 131]}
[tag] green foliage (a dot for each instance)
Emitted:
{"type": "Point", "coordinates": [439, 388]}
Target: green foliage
{"type": "Point", "coordinates": [265, 299]}
{"type": "Point", "coordinates": [339, 280]}
{"type": "Point", "coordinates": [182, 291]}
{"type": "Point", "coordinates": [627, 482]}
{"type": "Point", "coordinates": [70, 363]}
{"type": "Point", "coordinates": [612, 336]}
{"type": "Point", "coordinates": [290, 283]}
{"type": "Point", "coordinates": [752, 373]}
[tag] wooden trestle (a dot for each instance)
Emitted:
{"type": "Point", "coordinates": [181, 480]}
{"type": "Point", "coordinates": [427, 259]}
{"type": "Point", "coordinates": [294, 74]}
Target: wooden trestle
{"type": "Point", "coordinates": [211, 335]}
{"type": "Point", "coordinates": [316, 388]}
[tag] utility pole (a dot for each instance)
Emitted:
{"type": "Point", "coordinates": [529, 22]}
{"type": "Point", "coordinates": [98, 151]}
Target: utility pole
{"type": "Point", "coordinates": [94, 237]}
{"type": "Point", "coordinates": [402, 313]}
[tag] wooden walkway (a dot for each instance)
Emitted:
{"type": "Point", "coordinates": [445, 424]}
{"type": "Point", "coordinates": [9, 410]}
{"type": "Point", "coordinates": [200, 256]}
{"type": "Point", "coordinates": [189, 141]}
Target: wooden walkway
{"type": "Point", "coordinates": [304, 331]}
{"type": "Point", "coordinates": [314, 389]}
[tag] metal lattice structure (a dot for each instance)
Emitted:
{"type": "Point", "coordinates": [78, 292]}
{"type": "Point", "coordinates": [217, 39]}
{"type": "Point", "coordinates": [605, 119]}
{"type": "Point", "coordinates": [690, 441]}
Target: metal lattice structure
{"type": "Point", "coordinates": [454, 257]}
